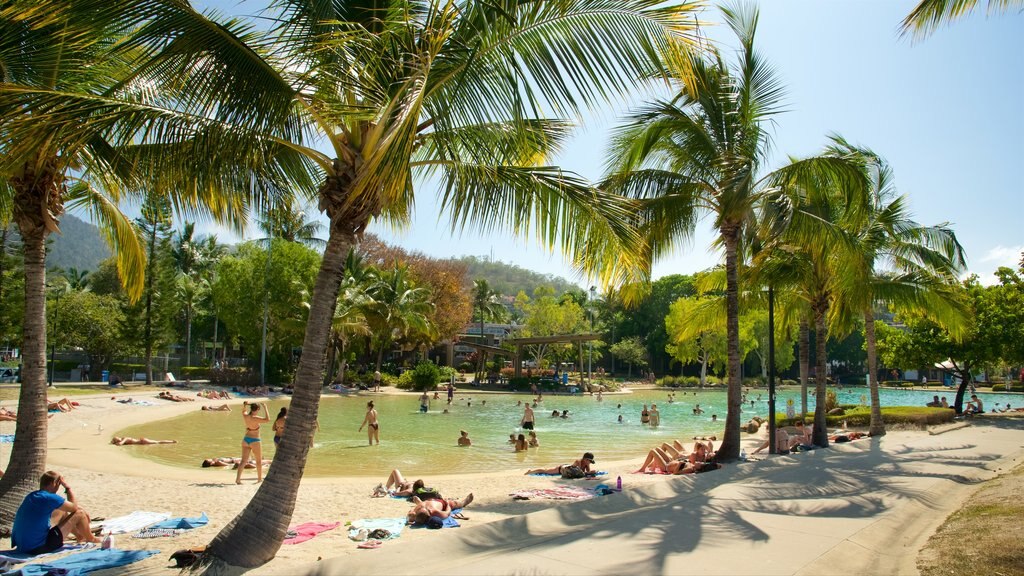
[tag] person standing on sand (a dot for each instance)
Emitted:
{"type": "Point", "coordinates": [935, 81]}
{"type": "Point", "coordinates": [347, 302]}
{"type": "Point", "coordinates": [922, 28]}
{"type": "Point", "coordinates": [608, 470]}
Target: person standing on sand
{"type": "Point", "coordinates": [527, 420]}
{"type": "Point", "coordinates": [279, 423]}
{"type": "Point", "coordinates": [376, 380]}
{"type": "Point", "coordinates": [372, 426]}
{"type": "Point", "coordinates": [31, 532]}
{"type": "Point", "coordinates": [251, 441]}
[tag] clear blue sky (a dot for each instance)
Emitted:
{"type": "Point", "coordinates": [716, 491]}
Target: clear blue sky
{"type": "Point", "coordinates": [945, 112]}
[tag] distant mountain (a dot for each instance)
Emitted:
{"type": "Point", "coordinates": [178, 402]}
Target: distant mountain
{"type": "Point", "coordinates": [509, 279]}
{"type": "Point", "coordinates": [78, 246]}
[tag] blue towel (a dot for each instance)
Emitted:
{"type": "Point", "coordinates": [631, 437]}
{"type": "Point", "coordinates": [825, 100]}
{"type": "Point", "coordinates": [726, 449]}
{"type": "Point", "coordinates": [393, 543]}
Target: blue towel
{"type": "Point", "coordinates": [6, 438]}
{"type": "Point", "coordinates": [182, 523]}
{"type": "Point", "coordinates": [85, 562]}
{"type": "Point", "coordinates": [15, 557]}
{"type": "Point", "coordinates": [602, 473]}
{"type": "Point", "coordinates": [449, 522]}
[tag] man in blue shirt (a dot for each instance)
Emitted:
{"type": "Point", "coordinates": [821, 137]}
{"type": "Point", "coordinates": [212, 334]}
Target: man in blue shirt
{"type": "Point", "coordinates": [32, 533]}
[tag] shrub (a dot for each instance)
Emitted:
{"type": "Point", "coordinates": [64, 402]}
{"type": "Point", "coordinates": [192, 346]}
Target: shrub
{"type": "Point", "coordinates": [446, 373]}
{"type": "Point", "coordinates": [465, 367]}
{"type": "Point", "coordinates": [752, 382]}
{"type": "Point", "coordinates": [404, 382]}
{"type": "Point", "coordinates": [790, 383]}
{"type": "Point", "coordinates": [508, 372]}
{"type": "Point", "coordinates": [860, 416]}
{"type": "Point", "coordinates": [425, 376]}
{"type": "Point", "coordinates": [194, 372]}
{"type": "Point", "coordinates": [240, 377]}
{"type": "Point", "coordinates": [517, 383]}
{"type": "Point", "coordinates": [831, 402]}
{"type": "Point", "coordinates": [667, 381]}
{"type": "Point", "coordinates": [999, 387]}
{"type": "Point", "coordinates": [127, 369]}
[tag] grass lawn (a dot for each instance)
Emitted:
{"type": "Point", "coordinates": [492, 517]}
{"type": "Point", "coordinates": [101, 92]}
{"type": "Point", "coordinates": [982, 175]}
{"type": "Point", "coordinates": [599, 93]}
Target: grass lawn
{"type": "Point", "coordinates": [59, 391]}
{"type": "Point", "coordinates": [983, 537]}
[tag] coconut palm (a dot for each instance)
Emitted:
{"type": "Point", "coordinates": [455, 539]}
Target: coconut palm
{"type": "Point", "coordinates": [453, 90]}
{"type": "Point", "coordinates": [929, 15]}
{"type": "Point", "coordinates": [701, 152]}
{"type": "Point", "coordinates": [349, 320]}
{"type": "Point", "coordinates": [290, 224]}
{"type": "Point", "coordinates": [897, 261]}
{"type": "Point", "coordinates": [487, 304]}
{"type": "Point", "coordinates": [395, 309]}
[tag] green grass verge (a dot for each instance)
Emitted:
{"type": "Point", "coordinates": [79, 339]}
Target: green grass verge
{"type": "Point", "coordinates": [860, 416]}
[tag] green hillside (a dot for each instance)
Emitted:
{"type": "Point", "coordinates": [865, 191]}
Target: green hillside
{"type": "Point", "coordinates": [509, 279]}
{"type": "Point", "coordinates": [78, 246]}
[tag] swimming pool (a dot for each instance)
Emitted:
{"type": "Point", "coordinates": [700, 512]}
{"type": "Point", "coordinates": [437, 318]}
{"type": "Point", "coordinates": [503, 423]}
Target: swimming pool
{"type": "Point", "coordinates": [426, 443]}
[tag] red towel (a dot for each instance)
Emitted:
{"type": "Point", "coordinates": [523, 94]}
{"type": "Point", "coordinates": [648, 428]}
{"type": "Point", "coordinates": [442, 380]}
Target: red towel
{"type": "Point", "coordinates": [310, 529]}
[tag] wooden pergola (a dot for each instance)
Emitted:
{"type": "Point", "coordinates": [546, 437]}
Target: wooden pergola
{"type": "Point", "coordinates": [578, 339]}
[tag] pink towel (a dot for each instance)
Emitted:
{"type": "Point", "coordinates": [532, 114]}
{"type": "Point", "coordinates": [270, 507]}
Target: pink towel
{"type": "Point", "coordinates": [310, 529]}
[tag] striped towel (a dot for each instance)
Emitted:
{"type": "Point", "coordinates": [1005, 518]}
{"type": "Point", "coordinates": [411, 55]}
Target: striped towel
{"type": "Point", "coordinates": [133, 522]}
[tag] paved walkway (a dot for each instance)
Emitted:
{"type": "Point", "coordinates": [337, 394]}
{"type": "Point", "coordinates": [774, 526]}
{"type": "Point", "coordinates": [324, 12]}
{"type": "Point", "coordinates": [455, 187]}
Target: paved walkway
{"type": "Point", "coordinates": [865, 507]}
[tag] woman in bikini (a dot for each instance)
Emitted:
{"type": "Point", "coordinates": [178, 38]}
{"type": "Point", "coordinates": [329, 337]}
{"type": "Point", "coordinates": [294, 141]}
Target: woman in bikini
{"type": "Point", "coordinates": [251, 440]}
{"type": "Point", "coordinates": [372, 426]}
{"type": "Point", "coordinates": [279, 425]}
{"type": "Point", "coordinates": [583, 464]}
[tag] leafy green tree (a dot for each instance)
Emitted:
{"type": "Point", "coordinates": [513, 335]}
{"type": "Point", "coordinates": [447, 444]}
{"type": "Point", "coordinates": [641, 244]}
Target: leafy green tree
{"type": "Point", "coordinates": [238, 291]}
{"type": "Point", "coordinates": [647, 318]}
{"type": "Point", "coordinates": [396, 310]}
{"type": "Point", "coordinates": [94, 323]}
{"type": "Point", "coordinates": [157, 310]}
{"type": "Point", "coordinates": [288, 223]}
{"type": "Point", "coordinates": [12, 284]}
{"type": "Point", "coordinates": [546, 315]}
{"type": "Point", "coordinates": [488, 306]}
{"type": "Point", "coordinates": [757, 321]}
{"type": "Point", "coordinates": [630, 350]}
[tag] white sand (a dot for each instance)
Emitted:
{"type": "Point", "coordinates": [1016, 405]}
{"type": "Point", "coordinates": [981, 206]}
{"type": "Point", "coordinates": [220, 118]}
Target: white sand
{"type": "Point", "coordinates": [109, 482]}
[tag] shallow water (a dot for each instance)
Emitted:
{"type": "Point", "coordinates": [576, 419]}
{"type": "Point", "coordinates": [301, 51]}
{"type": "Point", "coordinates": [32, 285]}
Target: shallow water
{"type": "Point", "coordinates": [426, 443]}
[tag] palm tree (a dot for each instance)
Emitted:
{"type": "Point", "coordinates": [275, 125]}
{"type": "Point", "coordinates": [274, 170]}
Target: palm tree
{"type": "Point", "coordinates": [404, 88]}
{"type": "Point", "coordinates": [290, 224]}
{"type": "Point", "coordinates": [701, 152]}
{"type": "Point", "coordinates": [897, 261]}
{"type": "Point", "coordinates": [487, 303]}
{"type": "Point", "coordinates": [62, 48]}
{"type": "Point", "coordinates": [929, 15]}
{"type": "Point", "coordinates": [349, 319]}
{"type": "Point", "coordinates": [395, 309]}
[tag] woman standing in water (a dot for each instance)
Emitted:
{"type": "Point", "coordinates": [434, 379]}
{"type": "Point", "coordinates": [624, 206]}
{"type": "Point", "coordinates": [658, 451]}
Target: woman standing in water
{"type": "Point", "coordinates": [372, 426]}
{"type": "Point", "coordinates": [251, 441]}
{"type": "Point", "coordinates": [279, 425]}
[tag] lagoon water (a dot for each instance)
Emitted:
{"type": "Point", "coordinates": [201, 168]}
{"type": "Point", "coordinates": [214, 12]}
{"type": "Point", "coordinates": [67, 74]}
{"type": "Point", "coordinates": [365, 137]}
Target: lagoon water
{"type": "Point", "coordinates": [420, 444]}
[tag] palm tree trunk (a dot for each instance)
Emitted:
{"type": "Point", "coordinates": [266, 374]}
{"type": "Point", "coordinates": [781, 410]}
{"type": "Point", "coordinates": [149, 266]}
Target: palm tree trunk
{"type": "Point", "coordinates": [255, 535]}
{"type": "Point", "coordinates": [805, 364]}
{"type": "Point", "coordinates": [188, 334]}
{"type": "Point", "coordinates": [877, 426]}
{"type": "Point", "coordinates": [820, 434]}
{"type": "Point", "coordinates": [331, 357]}
{"type": "Point", "coordinates": [730, 448]}
{"type": "Point", "coordinates": [380, 356]}
{"type": "Point", "coordinates": [28, 455]}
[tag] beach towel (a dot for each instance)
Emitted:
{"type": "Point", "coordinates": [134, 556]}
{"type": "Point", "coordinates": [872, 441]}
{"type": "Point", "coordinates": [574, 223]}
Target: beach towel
{"type": "Point", "coordinates": [85, 562]}
{"type": "Point", "coordinates": [10, 557]}
{"type": "Point", "coordinates": [133, 522]}
{"type": "Point", "coordinates": [392, 525]}
{"type": "Point", "coordinates": [183, 523]}
{"type": "Point", "coordinates": [556, 493]}
{"type": "Point", "coordinates": [449, 522]}
{"type": "Point", "coordinates": [601, 473]}
{"type": "Point", "coordinates": [158, 533]}
{"type": "Point", "coordinates": [6, 438]}
{"type": "Point", "coordinates": [309, 530]}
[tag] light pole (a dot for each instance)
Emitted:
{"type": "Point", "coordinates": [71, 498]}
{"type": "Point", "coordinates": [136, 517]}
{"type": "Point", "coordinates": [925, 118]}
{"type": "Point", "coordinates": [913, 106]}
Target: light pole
{"type": "Point", "coordinates": [53, 341]}
{"type": "Point", "coordinates": [590, 361]}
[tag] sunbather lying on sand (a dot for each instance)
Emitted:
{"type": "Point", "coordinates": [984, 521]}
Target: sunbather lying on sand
{"type": "Point", "coordinates": [583, 464]}
{"type": "Point", "coordinates": [225, 461]}
{"type": "Point", "coordinates": [221, 408]}
{"type": "Point", "coordinates": [165, 395]}
{"type": "Point", "coordinates": [666, 462]}
{"type": "Point", "coordinates": [126, 441]}
{"type": "Point", "coordinates": [8, 415]}
{"type": "Point", "coordinates": [64, 405]}
{"type": "Point", "coordinates": [422, 510]}
{"type": "Point", "coordinates": [402, 487]}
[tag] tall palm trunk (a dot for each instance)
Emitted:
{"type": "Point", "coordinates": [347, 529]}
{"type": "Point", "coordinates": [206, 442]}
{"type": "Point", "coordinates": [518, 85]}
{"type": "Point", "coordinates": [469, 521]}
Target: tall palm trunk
{"type": "Point", "coordinates": [36, 206]}
{"type": "Point", "coordinates": [332, 351]}
{"type": "Point", "coordinates": [150, 270]}
{"type": "Point", "coordinates": [877, 426]}
{"type": "Point", "coordinates": [820, 435]}
{"type": "Point", "coordinates": [188, 334]}
{"type": "Point", "coordinates": [271, 508]}
{"type": "Point", "coordinates": [805, 364]}
{"type": "Point", "coordinates": [730, 449]}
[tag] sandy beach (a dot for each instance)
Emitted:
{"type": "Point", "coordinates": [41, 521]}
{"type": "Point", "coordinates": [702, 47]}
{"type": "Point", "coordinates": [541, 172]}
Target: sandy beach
{"type": "Point", "coordinates": [110, 482]}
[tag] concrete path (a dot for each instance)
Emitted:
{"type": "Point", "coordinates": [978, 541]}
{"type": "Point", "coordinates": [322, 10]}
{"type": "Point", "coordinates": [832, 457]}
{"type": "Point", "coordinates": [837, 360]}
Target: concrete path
{"type": "Point", "coordinates": [865, 507]}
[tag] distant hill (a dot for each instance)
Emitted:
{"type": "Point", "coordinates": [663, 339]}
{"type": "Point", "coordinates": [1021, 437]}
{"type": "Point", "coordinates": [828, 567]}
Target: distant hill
{"type": "Point", "coordinates": [509, 279]}
{"type": "Point", "coordinates": [79, 246]}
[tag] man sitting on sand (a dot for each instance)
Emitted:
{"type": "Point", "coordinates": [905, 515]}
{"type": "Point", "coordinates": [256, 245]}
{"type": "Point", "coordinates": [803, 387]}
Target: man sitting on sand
{"type": "Point", "coordinates": [126, 441]}
{"type": "Point", "coordinates": [423, 510]}
{"type": "Point", "coordinates": [974, 406]}
{"type": "Point", "coordinates": [32, 533]}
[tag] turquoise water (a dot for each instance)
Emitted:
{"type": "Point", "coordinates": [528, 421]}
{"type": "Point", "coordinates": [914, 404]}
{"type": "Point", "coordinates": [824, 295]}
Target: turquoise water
{"type": "Point", "coordinates": [426, 443]}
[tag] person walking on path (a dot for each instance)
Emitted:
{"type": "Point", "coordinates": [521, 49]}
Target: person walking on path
{"type": "Point", "coordinates": [372, 426]}
{"type": "Point", "coordinates": [32, 532]}
{"type": "Point", "coordinates": [251, 442]}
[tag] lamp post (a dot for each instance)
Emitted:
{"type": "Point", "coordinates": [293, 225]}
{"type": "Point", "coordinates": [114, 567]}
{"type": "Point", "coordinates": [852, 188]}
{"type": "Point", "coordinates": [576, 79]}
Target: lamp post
{"type": "Point", "coordinates": [590, 361]}
{"type": "Point", "coordinates": [772, 448]}
{"type": "Point", "coordinates": [53, 341]}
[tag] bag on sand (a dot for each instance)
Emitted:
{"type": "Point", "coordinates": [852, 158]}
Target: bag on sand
{"type": "Point", "coordinates": [571, 472]}
{"type": "Point", "coordinates": [188, 556]}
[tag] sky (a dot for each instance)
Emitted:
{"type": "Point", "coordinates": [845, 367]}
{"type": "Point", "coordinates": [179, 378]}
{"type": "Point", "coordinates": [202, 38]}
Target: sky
{"type": "Point", "coordinates": [945, 112]}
